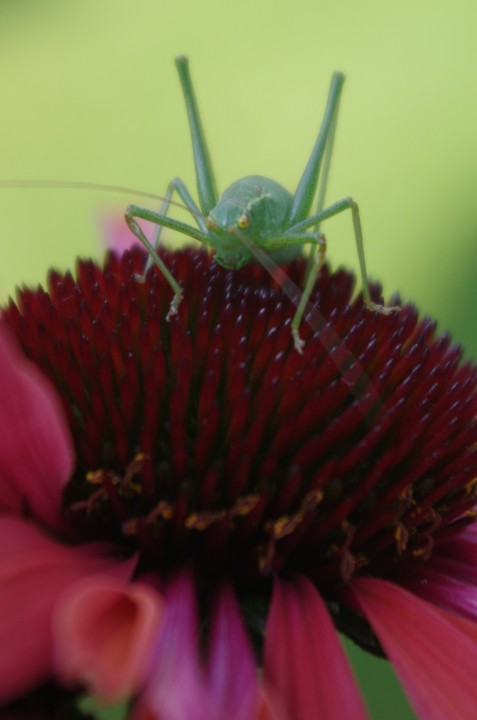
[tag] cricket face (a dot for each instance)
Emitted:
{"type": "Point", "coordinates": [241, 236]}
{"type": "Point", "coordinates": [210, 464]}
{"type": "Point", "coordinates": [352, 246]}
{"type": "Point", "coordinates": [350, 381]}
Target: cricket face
{"type": "Point", "coordinates": [227, 224]}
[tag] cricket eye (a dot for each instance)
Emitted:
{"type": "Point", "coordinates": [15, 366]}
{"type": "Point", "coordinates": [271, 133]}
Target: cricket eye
{"type": "Point", "coordinates": [210, 224]}
{"type": "Point", "coordinates": [243, 222]}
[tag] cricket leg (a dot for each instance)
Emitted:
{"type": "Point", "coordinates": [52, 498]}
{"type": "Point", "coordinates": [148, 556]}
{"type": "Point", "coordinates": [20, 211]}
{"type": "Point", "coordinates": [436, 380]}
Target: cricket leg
{"type": "Point", "coordinates": [331, 211]}
{"type": "Point", "coordinates": [305, 192]}
{"type": "Point", "coordinates": [135, 212]}
{"type": "Point", "coordinates": [271, 256]}
{"type": "Point", "coordinates": [178, 186]}
{"type": "Point", "coordinates": [316, 259]}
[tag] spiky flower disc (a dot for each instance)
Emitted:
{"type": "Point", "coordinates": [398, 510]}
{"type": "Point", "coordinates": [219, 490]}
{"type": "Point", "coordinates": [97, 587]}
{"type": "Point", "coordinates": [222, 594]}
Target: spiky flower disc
{"type": "Point", "coordinates": [209, 440]}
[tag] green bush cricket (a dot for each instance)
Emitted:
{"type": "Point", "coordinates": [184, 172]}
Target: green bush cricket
{"type": "Point", "coordinates": [256, 216]}
{"type": "Point", "coordinates": [254, 220]}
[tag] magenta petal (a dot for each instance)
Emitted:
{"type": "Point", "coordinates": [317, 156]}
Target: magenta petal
{"type": "Point", "coordinates": [104, 636]}
{"type": "Point", "coordinates": [270, 705]}
{"type": "Point", "coordinates": [117, 236]}
{"type": "Point", "coordinates": [462, 546]}
{"type": "Point", "coordinates": [177, 687]}
{"type": "Point", "coordinates": [433, 651]}
{"type": "Point", "coordinates": [231, 663]}
{"type": "Point", "coordinates": [449, 577]}
{"type": "Point", "coordinates": [449, 583]}
{"type": "Point", "coordinates": [304, 660]}
{"type": "Point", "coordinates": [36, 453]}
{"type": "Point", "coordinates": [34, 571]}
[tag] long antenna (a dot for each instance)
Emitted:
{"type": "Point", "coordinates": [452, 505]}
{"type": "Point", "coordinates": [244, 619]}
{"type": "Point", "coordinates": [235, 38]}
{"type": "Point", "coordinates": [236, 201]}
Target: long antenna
{"type": "Point", "coordinates": [80, 185]}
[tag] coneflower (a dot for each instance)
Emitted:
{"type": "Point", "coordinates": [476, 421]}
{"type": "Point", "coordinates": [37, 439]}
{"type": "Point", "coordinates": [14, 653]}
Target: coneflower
{"type": "Point", "coordinates": [192, 509]}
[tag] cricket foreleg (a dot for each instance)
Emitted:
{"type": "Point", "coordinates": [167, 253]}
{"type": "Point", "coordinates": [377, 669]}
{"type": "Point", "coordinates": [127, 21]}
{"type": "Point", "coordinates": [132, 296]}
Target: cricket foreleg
{"type": "Point", "coordinates": [132, 213]}
{"type": "Point", "coordinates": [317, 258]}
{"type": "Point", "coordinates": [271, 255]}
{"type": "Point", "coordinates": [331, 211]}
{"type": "Point", "coordinates": [178, 186]}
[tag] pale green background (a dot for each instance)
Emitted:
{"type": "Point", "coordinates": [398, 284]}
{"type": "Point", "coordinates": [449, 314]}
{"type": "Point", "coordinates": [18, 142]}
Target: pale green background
{"type": "Point", "coordinates": [89, 92]}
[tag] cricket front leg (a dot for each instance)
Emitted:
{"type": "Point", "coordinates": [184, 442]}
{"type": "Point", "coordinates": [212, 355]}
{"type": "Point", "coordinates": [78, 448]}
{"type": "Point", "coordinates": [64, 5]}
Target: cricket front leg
{"type": "Point", "coordinates": [268, 255]}
{"type": "Point", "coordinates": [135, 212]}
{"type": "Point", "coordinates": [358, 233]}
{"type": "Point", "coordinates": [178, 186]}
{"type": "Point", "coordinates": [316, 260]}
{"type": "Point", "coordinates": [331, 211]}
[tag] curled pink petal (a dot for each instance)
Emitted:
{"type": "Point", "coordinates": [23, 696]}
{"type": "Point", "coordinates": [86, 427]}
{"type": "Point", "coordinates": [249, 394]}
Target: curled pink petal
{"type": "Point", "coordinates": [304, 660]}
{"type": "Point", "coordinates": [34, 571]}
{"type": "Point", "coordinates": [433, 651]}
{"type": "Point", "coordinates": [231, 664]}
{"type": "Point", "coordinates": [36, 453]}
{"type": "Point", "coordinates": [104, 636]}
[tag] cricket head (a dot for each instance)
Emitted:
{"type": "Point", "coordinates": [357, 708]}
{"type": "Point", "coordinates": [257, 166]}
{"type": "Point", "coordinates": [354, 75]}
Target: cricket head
{"type": "Point", "coordinates": [250, 210]}
{"type": "Point", "coordinates": [229, 228]}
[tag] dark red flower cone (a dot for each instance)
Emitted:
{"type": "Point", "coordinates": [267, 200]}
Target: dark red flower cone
{"type": "Point", "coordinates": [208, 446]}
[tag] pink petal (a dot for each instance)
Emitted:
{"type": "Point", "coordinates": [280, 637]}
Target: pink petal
{"type": "Point", "coordinates": [449, 577]}
{"type": "Point", "coordinates": [105, 634]}
{"type": "Point", "coordinates": [36, 452]}
{"type": "Point", "coordinates": [270, 705]}
{"type": "Point", "coordinates": [116, 235]}
{"type": "Point", "coordinates": [433, 651]}
{"type": "Point", "coordinates": [231, 662]}
{"type": "Point", "coordinates": [34, 571]}
{"type": "Point", "coordinates": [451, 584]}
{"type": "Point", "coordinates": [304, 660]}
{"type": "Point", "coordinates": [177, 688]}
{"type": "Point", "coordinates": [462, 546]}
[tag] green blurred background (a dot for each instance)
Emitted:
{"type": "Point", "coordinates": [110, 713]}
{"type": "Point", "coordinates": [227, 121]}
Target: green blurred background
{"type": "Point", "coordinates": [89, 92]}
